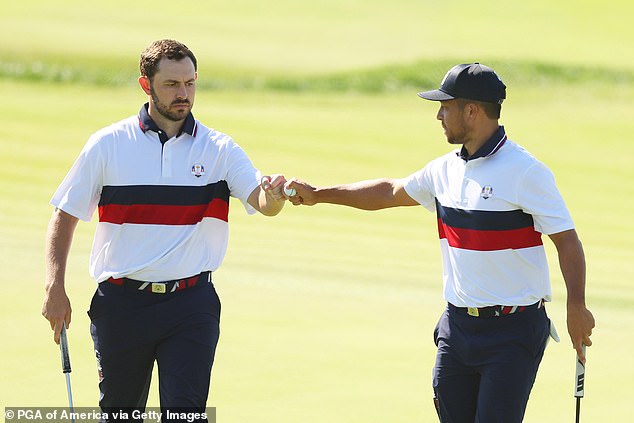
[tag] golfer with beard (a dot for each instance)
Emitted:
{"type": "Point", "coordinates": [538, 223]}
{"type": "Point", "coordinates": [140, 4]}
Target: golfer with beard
{"type": "Point", "coordinates": [161, 183]}
{"type": "Point", "coordinates": [493, 202]}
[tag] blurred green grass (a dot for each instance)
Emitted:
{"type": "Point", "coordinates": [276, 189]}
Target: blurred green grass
{"type": "Point", "coordinates": [327, 311]}
{"type": "Point", "coordinates": [422, 74]}
{"type": "Point", "coordinates": [328, 44]}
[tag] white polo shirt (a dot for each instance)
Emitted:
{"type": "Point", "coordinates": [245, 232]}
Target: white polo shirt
{"type": "Point", "coordinates": [163, 206]}
{"type": "Point", "coordinates": [492, 209]}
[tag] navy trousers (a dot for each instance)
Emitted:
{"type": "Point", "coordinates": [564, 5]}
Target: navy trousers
{"type": "Point", "coordinates": [485, 367]}
{"type": "Point", "coordinates": [132, 329]}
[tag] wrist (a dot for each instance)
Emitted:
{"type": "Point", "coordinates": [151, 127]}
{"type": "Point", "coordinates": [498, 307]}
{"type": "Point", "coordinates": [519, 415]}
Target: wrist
{"type": "Point", "coordinates": [54, 286]}
{"type": "Point", "coordinates": [575, 305]}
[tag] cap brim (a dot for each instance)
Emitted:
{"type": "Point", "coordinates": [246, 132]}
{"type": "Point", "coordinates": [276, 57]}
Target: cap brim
{"type": "Point", "coordinates": [435, 95]}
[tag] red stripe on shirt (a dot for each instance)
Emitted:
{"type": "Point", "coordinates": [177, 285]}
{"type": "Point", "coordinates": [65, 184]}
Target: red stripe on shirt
{"type": "Point", "coordinates": [156, 214]}
{"type": "Point", "coordinates": [479, 240]}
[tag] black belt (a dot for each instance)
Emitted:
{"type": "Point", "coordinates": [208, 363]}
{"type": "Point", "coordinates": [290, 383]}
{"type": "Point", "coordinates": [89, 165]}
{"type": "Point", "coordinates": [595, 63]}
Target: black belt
{"type": "Point", "coordinates": [164, 287]}
{"type": "Point", "coordinates": [495, 310]}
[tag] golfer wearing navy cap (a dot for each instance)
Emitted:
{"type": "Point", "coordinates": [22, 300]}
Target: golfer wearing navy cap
{"type": "Point", "coordinates": [493, 202]}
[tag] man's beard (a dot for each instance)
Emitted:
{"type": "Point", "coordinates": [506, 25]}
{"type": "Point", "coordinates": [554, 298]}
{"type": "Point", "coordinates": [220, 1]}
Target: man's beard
{"type": "Point", "coordinates": [457, 135]}
{"type": "Point", "coordinates": [164, 110]}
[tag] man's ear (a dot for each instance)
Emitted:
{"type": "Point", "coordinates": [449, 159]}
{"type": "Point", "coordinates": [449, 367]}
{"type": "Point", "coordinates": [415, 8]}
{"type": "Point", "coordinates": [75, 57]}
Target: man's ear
{"type": "Point", "coordinates": [144, 82]}
{"type": "Point", "coordinates": [471, 110]}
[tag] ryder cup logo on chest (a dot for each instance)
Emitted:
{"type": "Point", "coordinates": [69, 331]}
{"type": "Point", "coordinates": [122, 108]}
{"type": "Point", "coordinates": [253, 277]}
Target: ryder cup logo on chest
{"type": "Point", "coordinates": [487, 192]}
{"type": "Point", "coordinates": [198, 170]}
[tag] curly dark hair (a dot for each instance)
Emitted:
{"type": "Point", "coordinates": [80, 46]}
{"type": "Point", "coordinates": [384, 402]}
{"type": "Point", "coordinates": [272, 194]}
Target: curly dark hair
{"type": "Point", "coordinates": [170, 49]}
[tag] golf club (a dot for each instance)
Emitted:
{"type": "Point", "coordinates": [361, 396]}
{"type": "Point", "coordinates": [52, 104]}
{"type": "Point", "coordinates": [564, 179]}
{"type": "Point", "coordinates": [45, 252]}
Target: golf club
{"type": "Point", "coordinates": [580, 375]}
{"type": "Point", "coordinates": [63, 347]}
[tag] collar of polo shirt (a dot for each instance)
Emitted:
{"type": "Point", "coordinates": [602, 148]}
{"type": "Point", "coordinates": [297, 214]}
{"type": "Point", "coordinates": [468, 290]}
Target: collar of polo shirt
{"type": "Point", "coordinates": [146, 123]}
{"type": "Point", "coordinates": [490, 147]}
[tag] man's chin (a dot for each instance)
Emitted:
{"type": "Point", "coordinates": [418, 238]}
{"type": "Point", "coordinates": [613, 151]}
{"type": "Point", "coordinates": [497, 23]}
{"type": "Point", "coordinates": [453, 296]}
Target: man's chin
{"type": "Point", "coordinates": [181, 109]}
{"type": "Point", "coordinates": [453, 140]}
{"type": "Point", "coordinates": [177, 115]}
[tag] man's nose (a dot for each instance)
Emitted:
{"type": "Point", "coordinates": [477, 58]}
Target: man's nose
{"type": "Point", "coordinates": [182, 92]}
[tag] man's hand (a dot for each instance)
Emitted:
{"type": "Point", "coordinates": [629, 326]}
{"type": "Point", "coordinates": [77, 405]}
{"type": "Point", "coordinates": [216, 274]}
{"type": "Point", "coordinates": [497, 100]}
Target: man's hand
{"type": "Point", "coordinates": [273, 187]}
{"type": "Point", "coordinates": [303, 195]}
{"type": "Point", "coordinates": [56, 309]}
{"type": "Point", "coordinates": [580, 324]}
{"type": "Point", "coordinates": [268, 198]}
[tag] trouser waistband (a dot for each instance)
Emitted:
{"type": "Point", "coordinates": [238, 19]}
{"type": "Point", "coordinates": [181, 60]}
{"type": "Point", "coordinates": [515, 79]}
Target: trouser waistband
{"type": "Point", "coordinates": [495, 310]}
{"type": "Point", "coordinates": [164, 287]}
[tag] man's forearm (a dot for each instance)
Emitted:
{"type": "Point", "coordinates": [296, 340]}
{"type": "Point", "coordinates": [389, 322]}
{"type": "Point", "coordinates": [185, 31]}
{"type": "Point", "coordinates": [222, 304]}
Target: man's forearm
{"type": "Point", "coordinates": [372, 194]}
{"type": "Point", "coordinates": [59, 238]}
{"type": "Point", "coordinates": [573, 266]}
{"type": "Point", "coordinates": [572, 262]}
{"type": "Point", "coordinates": [56, 307]}
{"type": "Point", "coordinates": [365, 195]}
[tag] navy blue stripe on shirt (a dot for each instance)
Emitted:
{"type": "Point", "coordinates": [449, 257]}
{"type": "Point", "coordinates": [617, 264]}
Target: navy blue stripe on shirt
{"type": "Point", "coordinates": [484, 220]}
{"type": "Point", "coordinates": [173, 195]}
{"type": "Point", "coordinates": [164, 204]}
{"type": "Point", "coordinates": [482, 230]}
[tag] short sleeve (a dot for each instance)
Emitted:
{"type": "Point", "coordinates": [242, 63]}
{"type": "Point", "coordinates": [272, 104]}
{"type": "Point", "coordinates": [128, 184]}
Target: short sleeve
{"type": "Point", "coordinates": [79, 192]}
{"type": "Point", "coordinates": [242, 176]}
{"type": "Point", "coordinates": [538, 196]}
{"type": "Point", "coordinates": [420, 187]}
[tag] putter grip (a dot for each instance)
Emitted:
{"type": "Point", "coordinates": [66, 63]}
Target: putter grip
{"type": "Point", "coordinates": [63, 347]}
{"type": "Point", "coordinates": [580, 376]}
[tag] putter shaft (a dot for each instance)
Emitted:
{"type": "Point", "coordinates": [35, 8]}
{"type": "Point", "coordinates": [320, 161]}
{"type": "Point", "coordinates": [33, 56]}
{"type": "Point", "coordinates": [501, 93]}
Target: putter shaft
{"type": "Point", "coordinates": [70, 394]}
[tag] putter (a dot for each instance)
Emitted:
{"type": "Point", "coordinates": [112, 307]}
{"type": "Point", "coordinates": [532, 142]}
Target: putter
{"type": "Point", "coordinates": [63, 347]}
{"type": "Point", "coordinates": [580, 376]}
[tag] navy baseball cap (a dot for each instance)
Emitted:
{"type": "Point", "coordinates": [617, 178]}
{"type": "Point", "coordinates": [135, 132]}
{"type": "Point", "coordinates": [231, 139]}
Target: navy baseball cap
{"type": "Point", "coordinates": [470, 81]}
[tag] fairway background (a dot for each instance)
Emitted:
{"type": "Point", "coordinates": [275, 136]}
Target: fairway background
{"type": "Point", "coordinates": [327, 312]}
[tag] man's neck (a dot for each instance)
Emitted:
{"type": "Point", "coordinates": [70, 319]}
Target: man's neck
{"type": "Point", "coordinates": [479, 137]}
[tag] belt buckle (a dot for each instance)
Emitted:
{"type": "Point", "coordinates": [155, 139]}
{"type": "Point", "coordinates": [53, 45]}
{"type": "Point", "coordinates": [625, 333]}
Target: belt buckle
{"type": "Point", "coordinates": [473, 311]}
{"type": "Point", "coordinates": [159, 288]}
